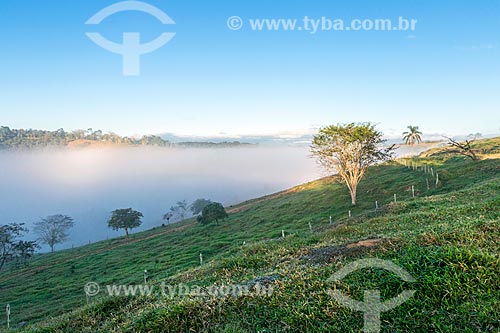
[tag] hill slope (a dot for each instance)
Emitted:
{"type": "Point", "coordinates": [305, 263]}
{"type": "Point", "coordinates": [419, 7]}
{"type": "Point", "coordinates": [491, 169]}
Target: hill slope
{"type": "Point", "coordinates": [447, 238]}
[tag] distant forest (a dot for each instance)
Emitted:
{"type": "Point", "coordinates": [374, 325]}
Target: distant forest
{"type": "Point", "coordinates": [32, 138]}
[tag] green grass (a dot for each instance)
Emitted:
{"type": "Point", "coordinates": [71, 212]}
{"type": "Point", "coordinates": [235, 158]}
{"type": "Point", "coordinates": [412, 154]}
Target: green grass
{"type": "Point", "coordinates": [447, 238]}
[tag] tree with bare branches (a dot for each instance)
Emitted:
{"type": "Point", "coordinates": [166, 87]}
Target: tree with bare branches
{"type": "Point", "coordinates": [350, 150]}
{"type": "Point", "coordinates": [53, 229]}
{"type": "Point", "coordinates": [464, 148]}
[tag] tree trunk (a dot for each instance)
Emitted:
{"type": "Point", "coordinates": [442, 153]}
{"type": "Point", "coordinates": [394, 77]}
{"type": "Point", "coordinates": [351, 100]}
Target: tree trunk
{"type": "Point", "coordinates": [126, 233]}
{"type": "Point", "coordinates": [52, 246]}
{"type": "Point", "coordinates": [353, 191]}
{"type": "Point", "coordinates": [2, 261]}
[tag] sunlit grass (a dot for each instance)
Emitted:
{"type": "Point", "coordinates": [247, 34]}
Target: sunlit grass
{"type": "Point", "coordinates": [447, 238]}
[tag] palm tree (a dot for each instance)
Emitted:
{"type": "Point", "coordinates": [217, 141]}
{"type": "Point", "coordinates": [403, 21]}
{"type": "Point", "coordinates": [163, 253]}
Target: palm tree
{"type": "Point", "coordinates": [412, 136]}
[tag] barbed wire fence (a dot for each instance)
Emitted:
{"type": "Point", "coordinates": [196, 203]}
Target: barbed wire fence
{"type": "Point", "coordinates": [430, 181]}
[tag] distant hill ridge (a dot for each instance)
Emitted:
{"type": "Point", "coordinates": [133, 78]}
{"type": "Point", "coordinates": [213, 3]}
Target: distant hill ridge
{"type": "Point", "coordinates": [32, 138]}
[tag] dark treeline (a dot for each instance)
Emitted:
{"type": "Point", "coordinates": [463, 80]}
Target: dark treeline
{"type": "Point", "coordinates": [224, 144]}
{"type": "Point", "coordinates": [32, 138]}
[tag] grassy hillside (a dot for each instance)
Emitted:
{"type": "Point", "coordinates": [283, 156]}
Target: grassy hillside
{"type": "Point", "coordinates": [447, 238]}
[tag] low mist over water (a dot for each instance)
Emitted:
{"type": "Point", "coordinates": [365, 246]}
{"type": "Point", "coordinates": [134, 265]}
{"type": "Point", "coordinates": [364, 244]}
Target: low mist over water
{"type": "Point", "coordinates": [88, 184]}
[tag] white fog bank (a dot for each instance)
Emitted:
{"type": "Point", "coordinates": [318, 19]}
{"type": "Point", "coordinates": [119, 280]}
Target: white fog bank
{"type": "Point", "coordinates": [88, 184]}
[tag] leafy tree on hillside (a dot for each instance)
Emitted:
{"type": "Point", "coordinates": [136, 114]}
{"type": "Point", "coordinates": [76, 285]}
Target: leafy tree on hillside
{"type": "Point", "coordinates": [125, 219]}
{"type": "Point", "coordinates": [53, 229]}
{"type": "Point", "coordinates": [198, 205]}
{"type": "Point", "coordinates": [12, 248]}
{"type": "Point", "coordinates": [181, 209]}
{"type": "Point", "coordinates": [167, 216]}
{"type": "Point", "coordinates": [24, 251]}
{"type": "Point", "coordinates": [177, 212]}
{"type": "Point", "coordinates": [412, 136]}
{"type": "Point", "coordinates": [213, 212]}
{"type": "Point", "coordinates": [349, 150]}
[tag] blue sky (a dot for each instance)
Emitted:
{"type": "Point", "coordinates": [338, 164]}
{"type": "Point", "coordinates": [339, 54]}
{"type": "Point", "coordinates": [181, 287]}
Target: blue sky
{"type": "Point", "coordinates": [209, 80]}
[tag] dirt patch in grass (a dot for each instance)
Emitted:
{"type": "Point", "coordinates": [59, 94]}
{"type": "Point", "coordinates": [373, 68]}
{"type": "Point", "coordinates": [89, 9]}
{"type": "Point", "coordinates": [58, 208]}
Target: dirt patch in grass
{"type": "Point", "coordinates": [331, 254]}
{"type": "Point", "coordinates": [263, 280]}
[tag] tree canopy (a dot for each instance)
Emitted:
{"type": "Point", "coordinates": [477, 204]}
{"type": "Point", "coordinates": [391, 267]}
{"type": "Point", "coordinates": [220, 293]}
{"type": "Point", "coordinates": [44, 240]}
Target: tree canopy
{"type": "Point", "coordinates": [125, 219]}
{"type": "Point", "coordinates": [12, 247]}
{"type": "Point", "coordinates": [412, 136]}
{"type": "Point", "coordinates": [349, 150]}
{"type": "Point", "coordinates": [177, 212]}
{"type": "Point", "coordinates": [197, 206]}
{"type": "Point", "coordinates": [213, 212]}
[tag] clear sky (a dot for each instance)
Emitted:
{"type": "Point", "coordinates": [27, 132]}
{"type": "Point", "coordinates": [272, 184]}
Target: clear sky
{"type": "Point", "coordinates": [445, 76]}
